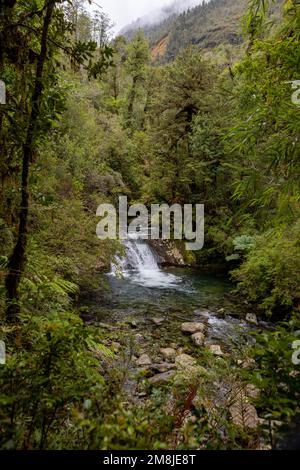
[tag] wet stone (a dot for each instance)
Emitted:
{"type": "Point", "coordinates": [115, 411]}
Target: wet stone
{"type": "Point", "coordinates": [192, 328]}
{"type": "Point", "coordinates": [198, 339]}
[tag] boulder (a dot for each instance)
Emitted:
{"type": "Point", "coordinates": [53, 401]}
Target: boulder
{"type": "Point", "coordinates": [215, 349]}
{"type": "Point", "coordinates": [144, 360]}
{"type": "Point", "coordinates": [251, 318]}
{"type": "Point", "coordinates": [198, 339]}
{"type": "Point", "coordinates": [162, 379]}
{"type": "Point", "coordinates": [163, 367]}
{"type": "Point", "coordinates": [202, 313]}
{"type": "Point", "coordinates": [192, 328]}
{"type": "Point", "coordinates": [158, 320]}
{"type": "Point", "coordinates": [184, 361]}
{"type": "Point", "coordinates": [168, 353]}
{"type": "Point", "coordinates": [188, 365]}
{"type": "Point", "coordinates": [168, 253]}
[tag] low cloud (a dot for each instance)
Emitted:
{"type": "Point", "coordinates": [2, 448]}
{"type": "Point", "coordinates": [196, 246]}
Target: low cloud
{"type": "Point", "coordinates": [126, 12]}
{"type": "Point", "coordinates": [160, 14]}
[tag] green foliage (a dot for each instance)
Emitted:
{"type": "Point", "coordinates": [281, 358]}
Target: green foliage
{"type": "Point", "coordinates": [48, 375]}
{"type": "Point", "coordinates": [200, 129]}
{"type": "Point", "coordinates": [147, 426]}
{"type": "Point", "coordinates": [265, 140]}
{"type": "Point", "coordinates": [186, 83]}
{"type": "Point", "coordinates": [269, 276]}
{"type": "Point", "coordinates": [277, 377]}
{"type": "Point", "coordinates": [138, 58]}
{"type": "Point", "coordinates": [266, 135]}
{"type": "Point", "coordinates": [243, 243]}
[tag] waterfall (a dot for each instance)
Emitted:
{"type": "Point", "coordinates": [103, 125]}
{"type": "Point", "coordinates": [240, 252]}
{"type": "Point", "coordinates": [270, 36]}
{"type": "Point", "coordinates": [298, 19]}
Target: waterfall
{"type": "Point", "coordinates": [140, 265]}
{"type": "Point", "coordinates": [139, 256]}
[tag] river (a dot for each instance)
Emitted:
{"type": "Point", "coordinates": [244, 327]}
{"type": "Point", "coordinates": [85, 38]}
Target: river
{"type": "Point", "coordinates": [141, 293]}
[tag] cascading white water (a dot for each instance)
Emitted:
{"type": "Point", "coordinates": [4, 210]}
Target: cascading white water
{"type": "Point", "coordinates": [140, 266]}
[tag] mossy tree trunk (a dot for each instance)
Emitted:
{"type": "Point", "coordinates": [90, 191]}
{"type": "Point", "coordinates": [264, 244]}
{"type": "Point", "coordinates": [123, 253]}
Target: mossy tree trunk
{"type": "Point", "coordinates": [18, 258]}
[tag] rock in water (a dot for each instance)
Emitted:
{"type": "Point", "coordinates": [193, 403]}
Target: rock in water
{"type": "Point", "coordinates": [168, 353]}
{"type": "Point", "coordinates": [192, 328]}
{"type": "Point", "coordinates": [198, 339]}
{"type": "Point", "coordinates": [203, 313]}
{"type": "Point", "coordinates": [144, 360]}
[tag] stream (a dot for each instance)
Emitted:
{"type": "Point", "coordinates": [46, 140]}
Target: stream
{"type": "Point", "coordinates": [156, 301]}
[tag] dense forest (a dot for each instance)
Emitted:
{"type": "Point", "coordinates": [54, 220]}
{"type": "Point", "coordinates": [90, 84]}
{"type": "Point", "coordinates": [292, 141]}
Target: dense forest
{"type": "Point", "coordinates": [86, 118]}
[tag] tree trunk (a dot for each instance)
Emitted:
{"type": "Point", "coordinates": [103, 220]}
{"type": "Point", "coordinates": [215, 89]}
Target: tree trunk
{"type": "Point", "coordinates": [115, 84]}
{"type": "Point", "coordinates": [132, 96]}
{"type": "Point", "coordinates": [18, 258]}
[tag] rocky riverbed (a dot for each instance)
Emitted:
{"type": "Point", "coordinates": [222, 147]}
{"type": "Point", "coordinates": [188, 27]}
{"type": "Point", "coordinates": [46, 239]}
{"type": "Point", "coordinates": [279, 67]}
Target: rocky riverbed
{"type": "Point", "coordinates": [171, 326]}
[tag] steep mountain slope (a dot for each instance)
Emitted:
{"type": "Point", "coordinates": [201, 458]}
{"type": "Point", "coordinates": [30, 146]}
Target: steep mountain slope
{"type": "Point", "coordinates": [207, 25]}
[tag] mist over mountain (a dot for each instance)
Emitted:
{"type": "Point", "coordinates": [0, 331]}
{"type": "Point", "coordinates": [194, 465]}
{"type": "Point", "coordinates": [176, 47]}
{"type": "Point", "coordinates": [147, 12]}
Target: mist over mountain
{"type": "Point", "coordinates": [158, 16]}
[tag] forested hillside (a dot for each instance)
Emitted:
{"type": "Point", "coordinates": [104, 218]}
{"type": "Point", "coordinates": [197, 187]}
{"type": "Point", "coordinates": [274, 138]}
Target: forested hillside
{"type": "Point", "coordinates": [208, 25]}
{"type": "Point", "coordinates": [86, 119]}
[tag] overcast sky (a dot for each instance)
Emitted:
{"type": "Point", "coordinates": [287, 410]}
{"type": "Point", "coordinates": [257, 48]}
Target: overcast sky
{"type": "Point", "coordinates": [124, 12]}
